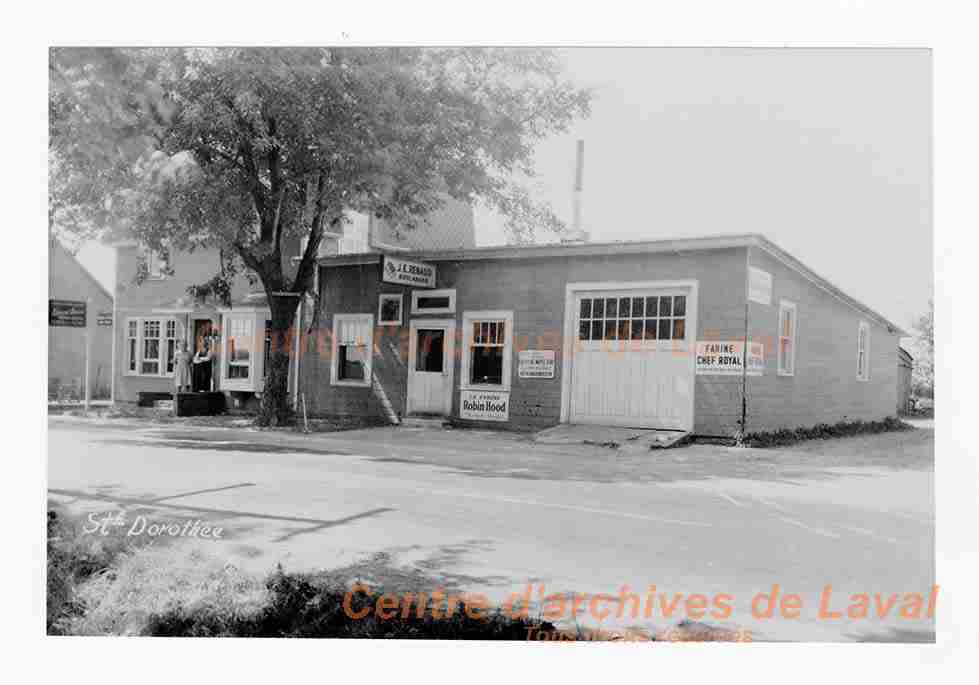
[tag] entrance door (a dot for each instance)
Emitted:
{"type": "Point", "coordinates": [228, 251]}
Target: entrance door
{"type": "Point", "coordinates": [633, 358]}
{"type": "Point", "coordinates": [430, 367]}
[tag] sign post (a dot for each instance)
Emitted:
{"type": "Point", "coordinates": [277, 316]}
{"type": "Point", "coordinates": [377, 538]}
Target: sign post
{"type": "Point", "coordinates": [88, 356]}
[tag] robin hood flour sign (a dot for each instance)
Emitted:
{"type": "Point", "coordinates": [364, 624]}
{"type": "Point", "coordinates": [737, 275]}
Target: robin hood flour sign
{"type": "Point", "coordinates": [725, 358]}
{"type": "Point", "coordinates": [404, 272]}
{"type": "Point", "coordinates": [484, 405]}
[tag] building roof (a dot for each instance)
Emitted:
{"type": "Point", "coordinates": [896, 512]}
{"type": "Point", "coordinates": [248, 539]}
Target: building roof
{"type": "Point", "coordinates": [450, 227]}
{"type": "Point", "coordinates": [55, 244]}
{"type": "Point", "coordinates": [676, 245]}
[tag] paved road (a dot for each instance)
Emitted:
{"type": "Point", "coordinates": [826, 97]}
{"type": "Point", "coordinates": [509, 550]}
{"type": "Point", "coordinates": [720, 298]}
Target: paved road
{"type": "Point", "coordinates": [370, 503]}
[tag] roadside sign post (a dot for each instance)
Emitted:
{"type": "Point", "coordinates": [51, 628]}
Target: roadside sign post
{"type": "Point", "coordinates": [88, 354]}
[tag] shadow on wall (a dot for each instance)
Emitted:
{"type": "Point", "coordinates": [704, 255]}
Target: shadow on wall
{"type": "Point", "coordinates": [73, 389]}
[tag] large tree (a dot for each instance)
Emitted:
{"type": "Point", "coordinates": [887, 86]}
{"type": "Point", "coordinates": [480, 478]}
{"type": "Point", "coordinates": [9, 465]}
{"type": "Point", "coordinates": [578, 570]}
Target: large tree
{"type": "Point", "coordinates": [923, 372]}
{"type": "Point", "coordinates": [244, 149]}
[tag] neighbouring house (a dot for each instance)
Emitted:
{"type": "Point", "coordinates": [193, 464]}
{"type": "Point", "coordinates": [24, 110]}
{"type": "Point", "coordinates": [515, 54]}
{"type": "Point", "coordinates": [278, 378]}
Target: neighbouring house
{"type": "Point", "coordinates": [157, 316]}
{"type": "Point", "coordinates": [70, 282]}
{"type": "Point", "coordinates": [905, 364]}
{"type": "Point", "coordinates": [642, 334]}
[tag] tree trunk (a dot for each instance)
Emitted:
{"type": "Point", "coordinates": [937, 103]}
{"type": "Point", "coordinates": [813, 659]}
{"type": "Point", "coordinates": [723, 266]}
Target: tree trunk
{"type": "Point", "coordinates": [276, 409]}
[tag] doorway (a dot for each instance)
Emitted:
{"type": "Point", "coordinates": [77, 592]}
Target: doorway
{"type": "Point", "coordinates": [431, 363]}
{"type": "Point", "coordinates": [204, 352]}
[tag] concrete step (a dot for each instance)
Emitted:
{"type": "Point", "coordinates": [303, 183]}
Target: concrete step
{"type": "Point", "coordinates": [423, 421]}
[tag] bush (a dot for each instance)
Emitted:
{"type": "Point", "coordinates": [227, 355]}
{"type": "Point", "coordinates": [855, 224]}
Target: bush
{"type": "Point", "coordinates": [822, 431]}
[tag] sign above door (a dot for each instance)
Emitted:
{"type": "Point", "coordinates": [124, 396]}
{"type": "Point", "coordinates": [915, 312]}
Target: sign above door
{"type": "Point", "coordinates": [404, 272]}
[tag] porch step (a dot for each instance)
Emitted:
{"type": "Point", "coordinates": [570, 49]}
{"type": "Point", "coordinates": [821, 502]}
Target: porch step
{"type": "Point", "coordinates": [423, 421]}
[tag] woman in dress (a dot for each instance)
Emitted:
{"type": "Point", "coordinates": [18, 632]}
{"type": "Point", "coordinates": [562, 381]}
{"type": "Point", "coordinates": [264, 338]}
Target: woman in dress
{"type": "Point", "coordinates": [181, 368]}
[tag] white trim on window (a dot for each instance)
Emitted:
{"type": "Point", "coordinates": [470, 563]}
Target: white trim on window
{"type": "Point", "coordinates": [390, 297]}
{"type": "Point", "coordinates": [139, 331]}
{"type": "Point", "coordinates": [505, 341]}
{"type": "Point", "coordinates": [863, 351]}
{"type": "Point", "coordinates": [353, 330]}
{"type": "Point", "coordinates": [234, 330]}
{"type": "Point", "coordinates": [787, 337]}
{"type": "Point", "coordinates": [449, 293]}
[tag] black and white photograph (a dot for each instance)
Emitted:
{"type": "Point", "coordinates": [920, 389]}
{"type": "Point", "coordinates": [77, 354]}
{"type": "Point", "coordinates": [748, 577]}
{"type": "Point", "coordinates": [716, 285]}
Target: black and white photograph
{"type": "Point", "coordinates": [530, 342]}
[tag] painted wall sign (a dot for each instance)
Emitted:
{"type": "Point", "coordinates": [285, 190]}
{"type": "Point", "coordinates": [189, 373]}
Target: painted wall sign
{"type": "Point", "coordinates": [724, 358]}
{"type": "Point", "coordinates": [484, 405]}
{"type": "Point", "coordinates": [67, 313]}
{"type": "Point", "coordinates": [403, 272]}
{"type": "Point", "coordinates": [535, 364]}
{"type": "Point", "coordinates": [104, 319]}
{"type": "Point", "coordinates": [759, 286]}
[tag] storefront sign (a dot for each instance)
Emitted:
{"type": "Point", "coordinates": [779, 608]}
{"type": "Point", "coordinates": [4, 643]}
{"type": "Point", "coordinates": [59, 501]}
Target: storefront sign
{"type": "Point", "coordinates": [484, 405]}
{"type": "Point", "coordinates": [535, 364]}
{"type": "Point", "coordinates": [724, 358]}
{"type": "Point", "coordinates": [403, 272]}
{"type": "Point", "coordinates": [759, 286]}
{"type": "Point", "coordinates": [104, 319]}
{"type": "Point", "coordinates": [68, 313]}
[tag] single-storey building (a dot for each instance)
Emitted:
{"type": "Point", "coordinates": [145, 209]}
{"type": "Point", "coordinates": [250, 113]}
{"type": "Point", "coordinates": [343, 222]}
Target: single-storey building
{"type": "Point", "coordinates": [70, 282]}
{"type": "Point", "coordinates": [640, 334]}
{"type": "Point", "coordinates": [905, 365]}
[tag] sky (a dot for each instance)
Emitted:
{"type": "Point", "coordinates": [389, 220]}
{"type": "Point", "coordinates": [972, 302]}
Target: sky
{"type": "Point", "coordinates": [826, 152]}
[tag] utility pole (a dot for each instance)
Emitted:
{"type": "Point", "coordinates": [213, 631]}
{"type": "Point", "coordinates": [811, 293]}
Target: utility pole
{"type": "Point", "coordinates": [88, 353]}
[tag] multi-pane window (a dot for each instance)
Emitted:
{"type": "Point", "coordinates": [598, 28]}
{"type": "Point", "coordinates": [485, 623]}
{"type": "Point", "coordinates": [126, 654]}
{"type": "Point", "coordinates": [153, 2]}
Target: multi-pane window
{"type": "Point", "coordinates": [637, 318]}
{"type": "Point", "coordinates": [863, 351]}
{"type": "Point", "coordinates": [171, 344]}
{"type": "Point", "coordinates": [786, 338]}
{"type": "Point", "coordinates": [486, 351]}
{"type": "Point", "coordinates": [132, 340]}
{"type": "Point", "coordinates": [353, 337]}
{"type": "Point", "coordinates": [150, 363]}
{"type": "Point", "coordinates": [239, 347]}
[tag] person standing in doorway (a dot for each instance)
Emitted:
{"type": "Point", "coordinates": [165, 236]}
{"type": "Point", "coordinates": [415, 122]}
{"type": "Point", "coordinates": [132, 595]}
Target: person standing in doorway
{"type": "Point", "coordinates": [202, 366]}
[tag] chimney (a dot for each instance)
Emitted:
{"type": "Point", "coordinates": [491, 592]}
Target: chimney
{"type": "Point", "coordinates": [577, 235]}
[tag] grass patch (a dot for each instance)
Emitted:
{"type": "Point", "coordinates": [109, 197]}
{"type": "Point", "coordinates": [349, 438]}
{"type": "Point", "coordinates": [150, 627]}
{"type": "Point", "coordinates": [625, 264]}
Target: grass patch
{"type": "Point", "coordinates": [823, 431]}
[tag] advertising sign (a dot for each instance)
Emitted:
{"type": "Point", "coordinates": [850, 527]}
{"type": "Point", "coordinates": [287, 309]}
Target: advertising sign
{"type": "Point", "coordinates": [104, 319]}
{"type": "Point", "coordinates": [759, 286]}
{"type": "Point", "coordinates": [724, 358]}
{"type": "Point", "coordinates": [404, 272]}
{"type": "Point", "coordinates": [484, 405]}
{"type": "Point", "coordinates": [535, 364]}
{"type": "Point", "coordinates": [68, 313]}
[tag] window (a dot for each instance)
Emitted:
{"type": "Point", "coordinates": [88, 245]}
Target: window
{"type": "Point", "coordinates": [389, 309]}
{"type": "Point", "coordinates": [156, 265]}
{"type": "Point", "coordinates": [150, 346]}
{"type": "Point", "coordinates": [132, 341]}
{"type": "Point", "coordinates": [353, 347]}
{"type": "Point", "coordinates": [433, 301]}
{"type": "Point", "coordinates": [786, 338]}
{"type": "Point", "coordinates": [637, 318]}
{"type": "Point", "coordinates": [171, 344]}
{"type": "Point", "coordinates": [239, 350]}
{"type": "Point", "coordinates": [487, 360]}
{"type": "Point", "coordinates": [863, 351]}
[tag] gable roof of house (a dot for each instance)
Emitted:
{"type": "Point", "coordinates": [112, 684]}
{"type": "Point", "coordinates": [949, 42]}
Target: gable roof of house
{"type": "Point", "coordinates": [54, 245]}
{"type": "Point", "coordinates": [676, 245]}
{"type": "Point", "coordinates": [451, 227]}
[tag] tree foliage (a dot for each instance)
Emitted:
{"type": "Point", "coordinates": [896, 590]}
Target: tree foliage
{"type": "Point", "coordinates": [923, 371]}
{"type": "Point", "coordinates": [243, 149]}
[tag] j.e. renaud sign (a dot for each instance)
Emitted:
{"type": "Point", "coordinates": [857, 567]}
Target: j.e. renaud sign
{"type": "Point", "coordinates": [404, 272]}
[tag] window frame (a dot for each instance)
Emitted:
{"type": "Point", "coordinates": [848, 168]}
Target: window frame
{"type": "Point", "coordinates": [444, 292]}
{"type": "Point", "coordinates": [134, 365]}
{"type": "Point", "coordinates": [784, 306]}
{"type": "Point", "coordinates": [381, 298]}
{"type": "Point", "coordinates": [863, 374]}
{"type": "Point", "coordinates": [470, 317]}
{"type": "Point", "coordinates": [335, 357]}
{"type": "Point", "coordinates": [227, 334]}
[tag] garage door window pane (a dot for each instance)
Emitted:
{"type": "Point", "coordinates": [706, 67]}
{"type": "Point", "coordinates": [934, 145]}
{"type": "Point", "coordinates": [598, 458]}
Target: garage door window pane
{"type": "Point", "coordinates": [650, 329]}
{"type": "Point", "coordinates": [680, 305]}
{"type": "Point", "coordinates": [610, 329]}
{"type": "Point", "coordinates": [584, 330]}
{"type": "Point", "coordinates": [651, 307]}
{"type": "Point", "coordinates": [611, 308]}
{"type": "Point", "coordinates": [624, 329]}
{"type": "Point", "coordinates": [585, 308]}
{"type": "Point", "coordinates": [637, 329]}
{"type": "Point", "coordinates": [637, 307]}
{"type": "Point", "coordinates": [664, 329]}
{"type": "Point", "coordinates": [665, 305]}
{"type": "Point", "coordinates": [679, 329]}
{"type": "Point", "coordinates": [596, 330]}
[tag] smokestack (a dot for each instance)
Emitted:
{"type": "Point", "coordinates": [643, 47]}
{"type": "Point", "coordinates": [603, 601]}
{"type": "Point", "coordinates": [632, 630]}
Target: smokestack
{"type": "Point", "coordinates": [578, 235]}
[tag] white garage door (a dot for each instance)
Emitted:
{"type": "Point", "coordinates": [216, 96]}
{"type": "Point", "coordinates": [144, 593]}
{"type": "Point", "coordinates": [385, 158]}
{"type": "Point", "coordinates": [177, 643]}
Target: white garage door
{"type": "Point", "coordinates": [632, 362]}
